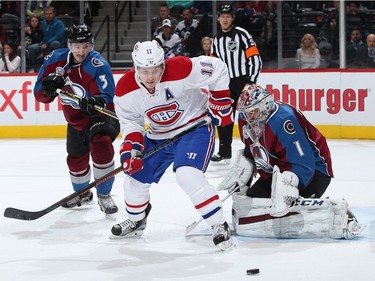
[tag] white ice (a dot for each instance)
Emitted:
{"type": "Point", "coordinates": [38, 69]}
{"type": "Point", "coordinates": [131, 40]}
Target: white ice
{"type": "Point", "coordinates": [74, 244]}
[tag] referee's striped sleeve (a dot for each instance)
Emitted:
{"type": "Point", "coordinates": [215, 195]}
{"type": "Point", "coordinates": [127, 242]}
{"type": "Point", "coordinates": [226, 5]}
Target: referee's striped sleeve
{"type": "Point", "coordinates": [254, 61]}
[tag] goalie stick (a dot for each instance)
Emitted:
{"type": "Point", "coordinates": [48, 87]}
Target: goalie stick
{"type": "Point", "coordinates": [97, 107]}
{"type": "Point", "coordinates": [193, 225]}
{"type": "Point", "coordinates": [15, 213]}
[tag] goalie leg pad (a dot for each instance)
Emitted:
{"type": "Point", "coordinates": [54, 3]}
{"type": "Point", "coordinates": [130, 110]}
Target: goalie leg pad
{"type": "Point", "coordinates": [308, 218]}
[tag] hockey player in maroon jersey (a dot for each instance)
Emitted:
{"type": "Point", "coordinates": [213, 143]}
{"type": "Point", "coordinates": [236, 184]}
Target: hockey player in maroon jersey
{"type": "Point", "coordinates": [82, 71]}
{"type": "Point", "coordinates": [170, 96]}
{"type": "Point", "coordinates": [293, 161]}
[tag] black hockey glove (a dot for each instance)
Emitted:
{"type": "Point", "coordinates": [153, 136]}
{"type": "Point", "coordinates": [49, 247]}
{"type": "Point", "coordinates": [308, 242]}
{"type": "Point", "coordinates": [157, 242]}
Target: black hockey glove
{"type": "Point", "coordinates": [88, 105]}
{"type": "Point", "coordinates": [51, 83]}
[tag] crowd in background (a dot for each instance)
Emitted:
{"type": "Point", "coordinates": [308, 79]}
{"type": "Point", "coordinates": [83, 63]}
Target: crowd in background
{"type": "Point", "coordinates": [310, 30]}
{"type": "Point", "coordinates": [47, 23]}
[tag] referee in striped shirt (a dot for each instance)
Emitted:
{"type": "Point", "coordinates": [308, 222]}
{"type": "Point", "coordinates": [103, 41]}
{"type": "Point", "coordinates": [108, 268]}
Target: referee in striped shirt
{"type": "Point", "coordinates": [236, 47]}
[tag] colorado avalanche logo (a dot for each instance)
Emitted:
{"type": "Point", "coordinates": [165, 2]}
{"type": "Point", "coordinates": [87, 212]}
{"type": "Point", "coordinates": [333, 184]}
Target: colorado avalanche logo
{"type": "Point", "coordinates": [261, 157]}
{"type": "Point", "coordinates": [165, 115]}
{"type": "Point", "coordinates": [73, 88]}
{"type": "Point", "coordinates": [289, 127]}
{"type": "Point", "coordinates": [232, 46]}
{"type": "Point", "coordinates": [96, 63]}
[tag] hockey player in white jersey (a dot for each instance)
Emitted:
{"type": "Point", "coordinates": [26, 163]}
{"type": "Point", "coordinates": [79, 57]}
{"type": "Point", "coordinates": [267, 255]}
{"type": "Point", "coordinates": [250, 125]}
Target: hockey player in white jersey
{"type": "Point", "coordinates": [171, 96]}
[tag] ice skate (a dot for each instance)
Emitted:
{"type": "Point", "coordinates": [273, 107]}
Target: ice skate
{"type": "Point", "coordinates": [129, 228]}
{"type": "Point", "coordinates": [78, 201]}
{"type": "Point", "coordinates": [220, 160]}
{"type": "Point", "coordinates": [106, 203]}
{"type": "Point", "coordinates": [222, 236]}
{"type": "Point", "coordinates": [353, 227]}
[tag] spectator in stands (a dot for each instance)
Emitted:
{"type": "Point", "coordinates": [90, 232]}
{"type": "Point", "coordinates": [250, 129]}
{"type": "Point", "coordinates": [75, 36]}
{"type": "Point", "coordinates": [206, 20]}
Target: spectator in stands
{"type": "Point", "coordinates": [33, 31]}
{"type": "Point", "coordinates": [355, 46]}
{"type": "Point", "coordinates": [354, 19]}
{"type": "Point", "coordinates": [187, 25]}
{"type": "Point", "coordinates": [170, 41]}
{"type": "Point", "coordinates": [206, 44]}
{"type": "Point", "coordinates": [156, 22]}
{"type": "Point", "coordinates": [308, 55]}
{"type": "Point", "coordinates": [176, 7]}
{"type": "Point", "coordinates": [36, 8]}
{"type": "Point", "coordinates": [185, 28]}
{"type": "Point", "coordinates": [53, 37]}
{"type": "Point", "coordinates": [366, 56]}
{"type": "Point", "coordinates": [10, 62]}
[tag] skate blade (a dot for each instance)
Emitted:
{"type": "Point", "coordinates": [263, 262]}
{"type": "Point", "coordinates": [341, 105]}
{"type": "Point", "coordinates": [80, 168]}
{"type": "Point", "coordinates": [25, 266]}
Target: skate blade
{"type": "Point", "coordinates": [226, 245]}
{"type": "Point", "coordinates": [135, 234]}
{"type": "Point", "coordinates": [111, 217]}
{"type": "Point", "coordinates": [84, 205]}
{"type": "Point", "coordinates": [354, 233]}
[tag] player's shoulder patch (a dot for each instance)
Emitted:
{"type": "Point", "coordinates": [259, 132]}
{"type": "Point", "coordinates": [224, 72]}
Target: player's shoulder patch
{"type": "Point", "coordinates": [96, 62]}
{"type": "Point", "coordinates": [126, 84]}
{"type": "Point", "coordinates": [96, 59]}
{"type": "Point", "coordinates": [177, 68]}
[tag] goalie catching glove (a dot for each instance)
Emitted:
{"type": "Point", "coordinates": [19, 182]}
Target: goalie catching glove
{"type": "Point", "coordinates": [51, 83]}
{"type": "Point", "coordinates": [221, 110]}
{"type": "Point", "coordinates": [130, 151]}
{"type": "Point", "coordinates": [87, 106]}
{"type": "Point", "coordinates": [241, 172]}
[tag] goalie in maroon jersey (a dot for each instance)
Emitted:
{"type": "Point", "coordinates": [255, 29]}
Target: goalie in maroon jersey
{"type": "Point", "coordinates": [293, 161]}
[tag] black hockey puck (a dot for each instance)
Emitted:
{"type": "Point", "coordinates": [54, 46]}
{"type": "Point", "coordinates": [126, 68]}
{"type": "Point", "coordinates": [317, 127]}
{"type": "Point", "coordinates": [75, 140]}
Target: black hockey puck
{"type": "Point", "coordinates": [252, 271]}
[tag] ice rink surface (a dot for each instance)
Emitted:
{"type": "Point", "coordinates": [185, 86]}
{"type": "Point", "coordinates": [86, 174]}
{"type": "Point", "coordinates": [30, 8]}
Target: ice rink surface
{"type": "Point", "coordinates": [74, 245]}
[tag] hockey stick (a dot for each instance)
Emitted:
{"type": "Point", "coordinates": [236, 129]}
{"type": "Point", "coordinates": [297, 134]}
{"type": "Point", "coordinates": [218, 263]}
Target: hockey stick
{"type": "Point", "coordinates": [97, 107]}
{"type": "Point", "coordinates": [193, 225]}
{"type": "Point", "coordinates": [14, 213]}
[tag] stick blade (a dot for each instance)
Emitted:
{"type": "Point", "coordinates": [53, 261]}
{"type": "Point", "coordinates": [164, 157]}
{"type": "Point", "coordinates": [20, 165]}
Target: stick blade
{"type": "Point", "coordinates": [190, 227]}
{"type": "Point", "coordinates": [14, 213]}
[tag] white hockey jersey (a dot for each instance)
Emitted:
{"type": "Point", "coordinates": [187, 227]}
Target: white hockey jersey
{"type": "Point", "coordinates": [180, 98]}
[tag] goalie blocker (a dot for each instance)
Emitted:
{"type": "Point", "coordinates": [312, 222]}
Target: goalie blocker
{"type": "Point", "coordinates": [307, 218]}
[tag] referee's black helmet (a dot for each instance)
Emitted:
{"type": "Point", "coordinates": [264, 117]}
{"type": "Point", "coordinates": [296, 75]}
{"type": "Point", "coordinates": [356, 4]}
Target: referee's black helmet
{"type": "Point", "coordinates": [226, 9]}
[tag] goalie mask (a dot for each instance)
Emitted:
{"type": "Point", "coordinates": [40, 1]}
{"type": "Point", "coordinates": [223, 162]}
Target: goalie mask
{"type": "Point", "coordinates": [255, 104]}
{"type": "Point", "coordinates": [147, 57]}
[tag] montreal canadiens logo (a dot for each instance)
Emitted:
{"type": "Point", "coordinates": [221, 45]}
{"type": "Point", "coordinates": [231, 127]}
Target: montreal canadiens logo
{"type": "Point", "coordinates": [165, 115]}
